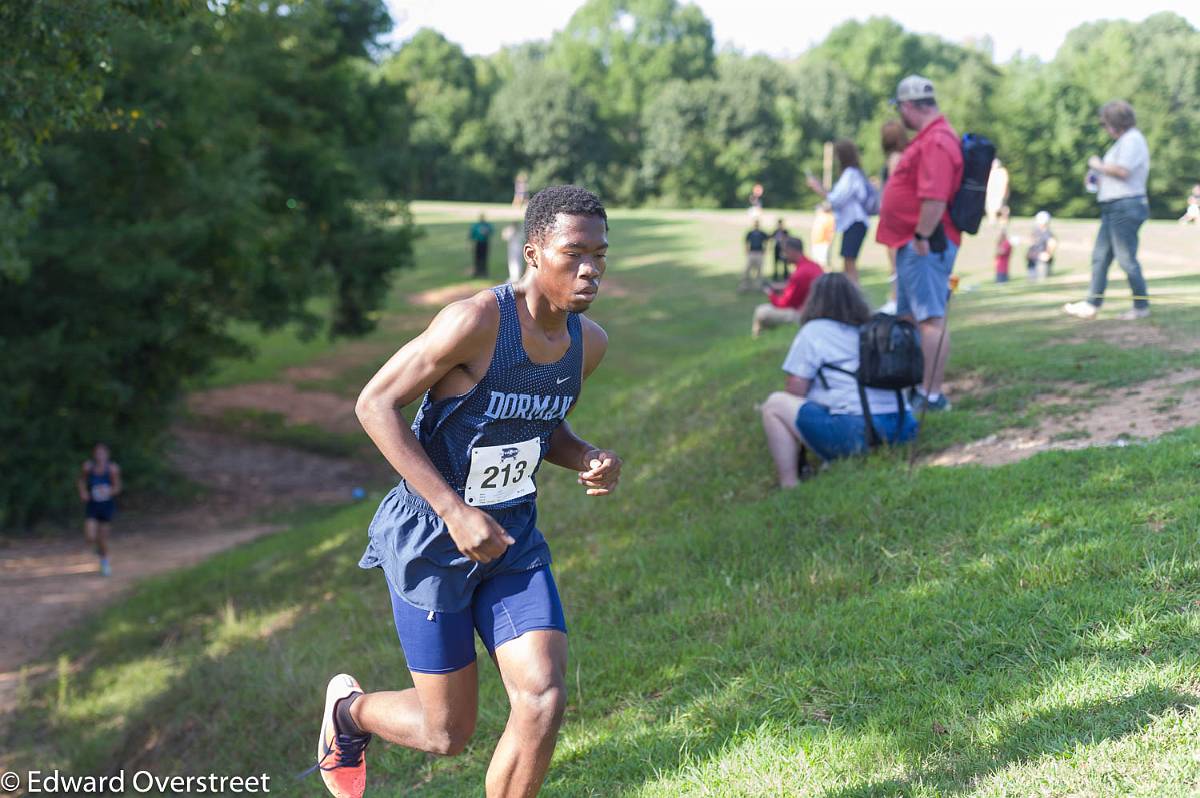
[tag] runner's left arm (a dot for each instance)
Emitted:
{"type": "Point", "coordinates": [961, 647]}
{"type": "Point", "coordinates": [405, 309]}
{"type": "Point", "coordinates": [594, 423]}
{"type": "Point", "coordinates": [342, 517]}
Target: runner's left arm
{"type": "Point", "coordinates": [599, 469]}
{"type": "Point", "coordinates": [117, 484]}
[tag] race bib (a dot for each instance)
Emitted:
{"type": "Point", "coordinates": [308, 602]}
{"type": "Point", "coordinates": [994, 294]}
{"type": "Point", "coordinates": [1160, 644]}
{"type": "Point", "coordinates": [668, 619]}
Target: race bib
{"type": "Point", "coordinates": [500, 473]}
{"type": "Point", "coordinates": [101, 492]}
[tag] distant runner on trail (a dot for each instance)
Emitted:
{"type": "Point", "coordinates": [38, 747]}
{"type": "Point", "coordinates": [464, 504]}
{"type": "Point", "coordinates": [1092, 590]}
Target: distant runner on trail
{"type": "Point", "coordinates": [99, 484]}
{"type": "Point", "coordinates": [458, 539]}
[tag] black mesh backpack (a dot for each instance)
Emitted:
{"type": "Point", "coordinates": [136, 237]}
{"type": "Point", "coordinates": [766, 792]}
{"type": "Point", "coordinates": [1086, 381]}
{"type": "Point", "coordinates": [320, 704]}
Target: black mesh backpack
{"type": "Point", "coordinates": [889, 357]}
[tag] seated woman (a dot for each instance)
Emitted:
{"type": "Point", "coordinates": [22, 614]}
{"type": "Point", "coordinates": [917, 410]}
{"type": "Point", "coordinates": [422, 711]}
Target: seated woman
{"type": "Point", "coordinates": [823, 413]}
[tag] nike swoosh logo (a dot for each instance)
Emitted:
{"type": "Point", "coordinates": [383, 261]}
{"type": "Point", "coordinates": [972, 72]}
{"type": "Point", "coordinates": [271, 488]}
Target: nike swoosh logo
{"type": "Point", "coordinates": [560, 382]}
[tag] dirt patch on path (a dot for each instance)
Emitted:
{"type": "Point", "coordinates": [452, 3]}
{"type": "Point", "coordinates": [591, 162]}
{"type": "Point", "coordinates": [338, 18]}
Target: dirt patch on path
{"type": "Point", "coordinates": [328, 411]}
{"type": "Point", "coordinates": [1143, 411]}
{"type": "Point", "coordinates": [1134, 336]}
{"type": "Point", "coordinates": [56, 584]}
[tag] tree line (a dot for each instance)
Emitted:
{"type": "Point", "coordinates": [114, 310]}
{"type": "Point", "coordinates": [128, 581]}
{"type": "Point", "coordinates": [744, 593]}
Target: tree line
{"type": "Point", "coordinates": [632, 99]}
{"type": "Point", "coordinates": [171, 170]}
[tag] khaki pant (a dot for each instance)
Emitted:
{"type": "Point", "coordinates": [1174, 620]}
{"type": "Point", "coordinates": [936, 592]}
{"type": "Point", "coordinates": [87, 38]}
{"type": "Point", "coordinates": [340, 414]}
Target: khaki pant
{"type": "Point", "coordinates": [767, 316]}
{"type": "Point", "coordinates": [753, 274]}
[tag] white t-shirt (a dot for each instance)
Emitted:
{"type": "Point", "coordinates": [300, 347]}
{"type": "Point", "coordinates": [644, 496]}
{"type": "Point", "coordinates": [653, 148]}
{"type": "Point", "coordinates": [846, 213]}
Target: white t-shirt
{"type": "Point", "coordinates": [1131, 152]}
{"type": "Point", "coordinates": [824, 341]}
{"type": "Point", "coordinates": [847, 198]}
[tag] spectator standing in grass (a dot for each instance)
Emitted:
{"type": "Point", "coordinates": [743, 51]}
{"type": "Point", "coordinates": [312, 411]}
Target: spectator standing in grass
{"type": "Point", "coordinates": [1192, 214]}
{"type": "Point", "coordinates": [514, 237]}
{"type": "Point", "coordinates": [520, 189]}
{"type": "Point", "coordinates": [779, 271]}
{"type": "Point", "coordinates": [99, 484]}
{"type": "Point", "coordinates": [893, 138]}
{"type": "Point", "coordinates": [823, 230]}
{"type": "Point", "coordinates": [783, 305]}
{"type": "Point", "coordinates": [1121, 192]}
{"type": "Point", "coordinates": [755, 208]}
{"type": "Point", "coordinates": [1004, 248]}
{"type": "Point", "coordinates": [820, 409]}
{"type": "Point", "coordinates": [996, 196]}
{"type": "Point", "coordinates": [915, 220]}
{"type": "Point", "coordinates": [848, 199]}
{"type": "Point", "coordinates": [756, 245]}
{"type": "Point", "coordinates": [1040, 257]}
{"type": "Point", "coordinates": [480, 236]}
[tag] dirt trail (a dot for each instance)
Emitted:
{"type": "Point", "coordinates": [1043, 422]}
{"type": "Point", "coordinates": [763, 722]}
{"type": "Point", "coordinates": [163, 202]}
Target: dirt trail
{"type": "Point", "coordinates": [1118, 417]}
{"type": "Point", "coordinates": [47, 586]}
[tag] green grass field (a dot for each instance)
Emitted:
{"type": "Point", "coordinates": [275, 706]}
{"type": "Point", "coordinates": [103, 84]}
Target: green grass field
{"type": "Point", "coordinates": [1031, 629]}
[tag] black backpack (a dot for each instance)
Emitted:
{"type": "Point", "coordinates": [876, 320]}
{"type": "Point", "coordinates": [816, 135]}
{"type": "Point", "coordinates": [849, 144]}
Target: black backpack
{"type": "Point", "coordinates": [966, 209]}
{"type": "Point", "coordinates": [889, 357]}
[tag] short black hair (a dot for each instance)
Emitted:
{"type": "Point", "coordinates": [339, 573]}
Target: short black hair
{"type": "Point", "coordinates": [547, 204]}
{"type": "Point", "coordinates": [794, 243]}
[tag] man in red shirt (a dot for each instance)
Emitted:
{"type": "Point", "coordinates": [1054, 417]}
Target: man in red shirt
{"type": "Point", "coordinates": [784, 306]}
{"type": "Point", "coordinates": [914, 220]}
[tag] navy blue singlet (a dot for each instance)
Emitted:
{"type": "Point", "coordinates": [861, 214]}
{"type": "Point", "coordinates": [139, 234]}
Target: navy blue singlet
{"type": "Point", "coordinates": [517, 402]}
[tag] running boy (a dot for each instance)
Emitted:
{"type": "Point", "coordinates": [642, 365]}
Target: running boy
{"type": "Point", "coordinates": [98, 485]}
{"type": "Point", "coordinates": [457, 539]}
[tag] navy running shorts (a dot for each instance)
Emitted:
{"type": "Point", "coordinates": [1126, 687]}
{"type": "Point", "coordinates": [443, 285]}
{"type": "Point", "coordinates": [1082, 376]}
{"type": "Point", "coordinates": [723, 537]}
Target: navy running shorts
{"type": "Point", "coordinates": [100, 511]}
{"type": "Point", "coordinates": [502, 608]}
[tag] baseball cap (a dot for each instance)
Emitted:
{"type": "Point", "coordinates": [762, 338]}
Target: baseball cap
{"type": "Point", "coordinates": [913, 87]}
{"type": "Point", "coordinates": [1042, 217]}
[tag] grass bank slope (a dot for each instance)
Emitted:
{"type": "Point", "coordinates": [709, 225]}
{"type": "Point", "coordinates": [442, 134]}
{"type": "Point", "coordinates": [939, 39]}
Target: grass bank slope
{"type": "Point", "coordinates": [1026, 629]}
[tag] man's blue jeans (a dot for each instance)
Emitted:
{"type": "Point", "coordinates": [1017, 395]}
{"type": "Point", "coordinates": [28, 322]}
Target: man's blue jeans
{"type": "Point", "coordinates": [1118, 237]}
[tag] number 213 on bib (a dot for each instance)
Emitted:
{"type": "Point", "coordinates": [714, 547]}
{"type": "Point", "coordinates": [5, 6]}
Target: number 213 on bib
{"type": "Point", "coordinates": [500, 473]}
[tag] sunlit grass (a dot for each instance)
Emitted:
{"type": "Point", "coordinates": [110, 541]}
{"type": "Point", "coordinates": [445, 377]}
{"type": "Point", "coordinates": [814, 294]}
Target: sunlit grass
{"type": "Point", "coordinates": [1026, 630]}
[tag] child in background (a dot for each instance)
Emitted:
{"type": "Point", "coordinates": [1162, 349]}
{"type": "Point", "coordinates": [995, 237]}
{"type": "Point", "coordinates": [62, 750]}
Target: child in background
{"type": "Point", "coordinates": [1004, 247]}
{"type": "Point", "coordinates": [1041, 249]}
{"type": "Point", "coordinates": [823, 230]}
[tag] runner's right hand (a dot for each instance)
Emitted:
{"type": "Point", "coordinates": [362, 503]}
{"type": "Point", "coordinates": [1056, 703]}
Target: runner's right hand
{"type": "Point", "coordinates": [476, 534]}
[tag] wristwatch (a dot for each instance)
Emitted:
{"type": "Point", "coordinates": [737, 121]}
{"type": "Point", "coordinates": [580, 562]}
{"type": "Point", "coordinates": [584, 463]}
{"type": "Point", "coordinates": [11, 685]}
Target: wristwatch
{"type": "Point", "coordinates": [920, 237]}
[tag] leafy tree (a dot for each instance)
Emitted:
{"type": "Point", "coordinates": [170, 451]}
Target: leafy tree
{"type": "Point", "coordinates": [448, 128]}
{"type": "Point", "coordinates": [552, 128]}
{"type": "Point", "coordinates": [226, 189]}
{"type": "Point", "coordinates": [679, 151]}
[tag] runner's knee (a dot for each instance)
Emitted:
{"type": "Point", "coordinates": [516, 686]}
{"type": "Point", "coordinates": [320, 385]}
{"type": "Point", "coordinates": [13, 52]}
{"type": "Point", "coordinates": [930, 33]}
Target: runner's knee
{"type": "Point", "coordinates": [542, 706]}
{"type": "Point", "coordinates": [451, 738]}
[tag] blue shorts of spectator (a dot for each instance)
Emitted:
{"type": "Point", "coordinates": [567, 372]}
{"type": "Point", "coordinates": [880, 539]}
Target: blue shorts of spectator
{"type": "Point", "coordinates": [832, 435]}
{"type": "Point", "coordinates": [852, 239]}
{"type": "Point", "coordinates": [923, 282]}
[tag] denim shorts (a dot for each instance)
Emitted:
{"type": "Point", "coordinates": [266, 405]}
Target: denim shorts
{"type": "Point", "coordinates": [923, 282]}
{"type": "Point", "coordinates": [834, 435]}
{"type": "Point", "coordinates": [502, 609]}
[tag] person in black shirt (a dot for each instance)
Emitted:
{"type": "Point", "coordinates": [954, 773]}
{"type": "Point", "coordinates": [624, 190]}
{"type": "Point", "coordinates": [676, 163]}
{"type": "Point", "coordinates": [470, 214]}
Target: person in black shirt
{"type": "Point", "coordinates": [756, 243]}
{"type": "Point", "coordinates": [780, 236]}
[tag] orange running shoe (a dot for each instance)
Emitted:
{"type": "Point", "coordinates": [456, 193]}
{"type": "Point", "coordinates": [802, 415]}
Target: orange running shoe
{"type": "Point", "coordinates": [341, 758]}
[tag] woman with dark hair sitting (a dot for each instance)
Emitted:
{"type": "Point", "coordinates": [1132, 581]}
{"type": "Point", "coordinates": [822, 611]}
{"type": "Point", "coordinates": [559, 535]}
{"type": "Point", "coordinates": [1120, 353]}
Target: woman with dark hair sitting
{"type": "Point", "coordinates": [820, 409]}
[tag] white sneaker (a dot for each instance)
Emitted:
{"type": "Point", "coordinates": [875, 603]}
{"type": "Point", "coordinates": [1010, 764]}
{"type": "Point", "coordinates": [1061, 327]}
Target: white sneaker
{"type": "Point", "coordinates": [1081, 309]}
{"type": "Point", "coordinates": [888, 307]}
{"type": "Point", "coordinates": [1135, 314]}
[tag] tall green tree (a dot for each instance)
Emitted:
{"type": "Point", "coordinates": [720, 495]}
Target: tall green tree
{"type": "Point", "coordinates": [228, 187]}
{"type": "Point", "coordinates": [449, 129]}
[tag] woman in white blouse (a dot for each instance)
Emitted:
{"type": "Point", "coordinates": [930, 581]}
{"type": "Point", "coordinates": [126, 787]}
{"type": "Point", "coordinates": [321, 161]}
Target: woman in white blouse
{"type": "Point", "coordinates": [849, 200]}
